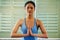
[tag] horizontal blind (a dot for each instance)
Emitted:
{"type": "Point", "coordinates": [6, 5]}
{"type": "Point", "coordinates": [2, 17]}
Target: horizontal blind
{"type": "Point", "coordinates": [10, 12]}
{"type": "Point", "coordinates": [47, 12]}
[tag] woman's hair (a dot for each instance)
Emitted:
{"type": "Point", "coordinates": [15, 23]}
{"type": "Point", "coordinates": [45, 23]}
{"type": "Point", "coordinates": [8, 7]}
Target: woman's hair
{"type": "Point", "coordinates": [29, 2]}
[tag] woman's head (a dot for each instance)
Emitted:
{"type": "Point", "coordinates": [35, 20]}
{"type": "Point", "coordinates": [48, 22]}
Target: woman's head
{"type": "Point", "coordinates": [30, 7]}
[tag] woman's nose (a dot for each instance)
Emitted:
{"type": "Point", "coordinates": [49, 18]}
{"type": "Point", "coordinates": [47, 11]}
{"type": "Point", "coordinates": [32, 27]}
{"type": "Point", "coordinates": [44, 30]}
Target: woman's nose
{"type": "Point", "coordinates": [29, 9]}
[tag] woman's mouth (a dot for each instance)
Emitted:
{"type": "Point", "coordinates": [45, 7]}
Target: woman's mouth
{"type": "Point", "coordinates": [30, 12]}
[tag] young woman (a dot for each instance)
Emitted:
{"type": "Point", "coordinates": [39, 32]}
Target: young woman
{"type": "Point", "coordinates": [29, 25]}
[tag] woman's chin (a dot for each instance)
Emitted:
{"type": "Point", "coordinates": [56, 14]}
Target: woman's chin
{"type": "Point", "coordinates": [29, 14]}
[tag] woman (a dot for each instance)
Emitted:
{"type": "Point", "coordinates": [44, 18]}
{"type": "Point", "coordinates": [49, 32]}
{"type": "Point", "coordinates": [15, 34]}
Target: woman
{"type": "Point", "coordinates": [29, 25]}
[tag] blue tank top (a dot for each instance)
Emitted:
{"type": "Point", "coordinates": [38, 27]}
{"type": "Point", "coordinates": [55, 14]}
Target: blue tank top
{"type": "Point", "coordinates": [34, 30]}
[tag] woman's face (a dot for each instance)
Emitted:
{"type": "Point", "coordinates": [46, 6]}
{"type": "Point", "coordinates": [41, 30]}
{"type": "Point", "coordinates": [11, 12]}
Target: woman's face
{"type": "Point", "coordinates": [29, 9]}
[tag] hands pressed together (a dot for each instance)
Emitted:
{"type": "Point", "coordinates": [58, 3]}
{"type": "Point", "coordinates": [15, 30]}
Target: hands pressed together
{"type": "Point", "coordinates": [29, 32]}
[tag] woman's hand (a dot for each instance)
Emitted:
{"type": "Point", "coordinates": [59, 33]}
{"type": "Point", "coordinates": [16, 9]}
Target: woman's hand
{"type": "Point", "coordinates": [32, 33]}
{"type": "Point", "coordinates": [27, 33]}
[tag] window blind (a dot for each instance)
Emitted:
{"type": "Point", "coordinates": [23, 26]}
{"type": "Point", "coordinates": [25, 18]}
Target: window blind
{"type": "Point", "coordinates": [47, 12]}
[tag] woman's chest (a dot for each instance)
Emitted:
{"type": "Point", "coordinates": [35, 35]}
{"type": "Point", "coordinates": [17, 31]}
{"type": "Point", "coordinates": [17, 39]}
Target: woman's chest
{"type": "Point", "coordinates": [29, 24]}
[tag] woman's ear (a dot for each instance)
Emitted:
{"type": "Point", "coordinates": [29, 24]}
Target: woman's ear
{"type": "Point", "coordinates": [24, 7]}
{"type": "Point", "coordinates": [34, 9]}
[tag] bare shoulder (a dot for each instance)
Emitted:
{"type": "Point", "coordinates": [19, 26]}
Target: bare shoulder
{"type": "Point", "coordinates": [38, 21]}
{"type": "Point", "coordinates": [20, 21]}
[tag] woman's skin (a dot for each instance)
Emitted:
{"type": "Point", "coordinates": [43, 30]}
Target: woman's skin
{"type": "Point", "coordinates": [29, 24]}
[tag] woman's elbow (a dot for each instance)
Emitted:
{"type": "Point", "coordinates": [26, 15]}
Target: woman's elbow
{"type": "Point", "coordinates": [12, 35]}
{"type": "Point", "coordinates": [46, 36]}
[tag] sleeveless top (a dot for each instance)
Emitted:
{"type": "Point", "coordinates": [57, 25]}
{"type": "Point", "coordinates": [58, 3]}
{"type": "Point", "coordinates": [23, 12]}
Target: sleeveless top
{"type": "Point", "coordinates": [34, 30]}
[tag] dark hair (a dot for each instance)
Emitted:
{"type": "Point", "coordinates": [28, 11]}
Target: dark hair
{"type": "Point", "coordinates": [29, 2]}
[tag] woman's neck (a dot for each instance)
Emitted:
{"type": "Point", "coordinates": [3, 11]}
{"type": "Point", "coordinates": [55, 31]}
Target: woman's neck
{"type": "Point", "coordinates": [29, 17]}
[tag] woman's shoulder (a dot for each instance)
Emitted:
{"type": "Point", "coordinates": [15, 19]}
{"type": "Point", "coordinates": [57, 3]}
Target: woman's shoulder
{"type": "Point", "coordinates": [21, 21]}
{"type": "Point", "coordinates": [38, 21]}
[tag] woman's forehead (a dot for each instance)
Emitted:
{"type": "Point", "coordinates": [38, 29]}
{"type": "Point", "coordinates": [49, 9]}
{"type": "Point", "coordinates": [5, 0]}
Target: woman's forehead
{"type": "Point", "coordinates": [30, 4]}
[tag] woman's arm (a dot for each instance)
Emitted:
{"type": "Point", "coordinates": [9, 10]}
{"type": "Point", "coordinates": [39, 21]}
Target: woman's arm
{"type": "Point", "coordinates": [43, 30]}
{"type": "Point", "coordinates": [15, 29]}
